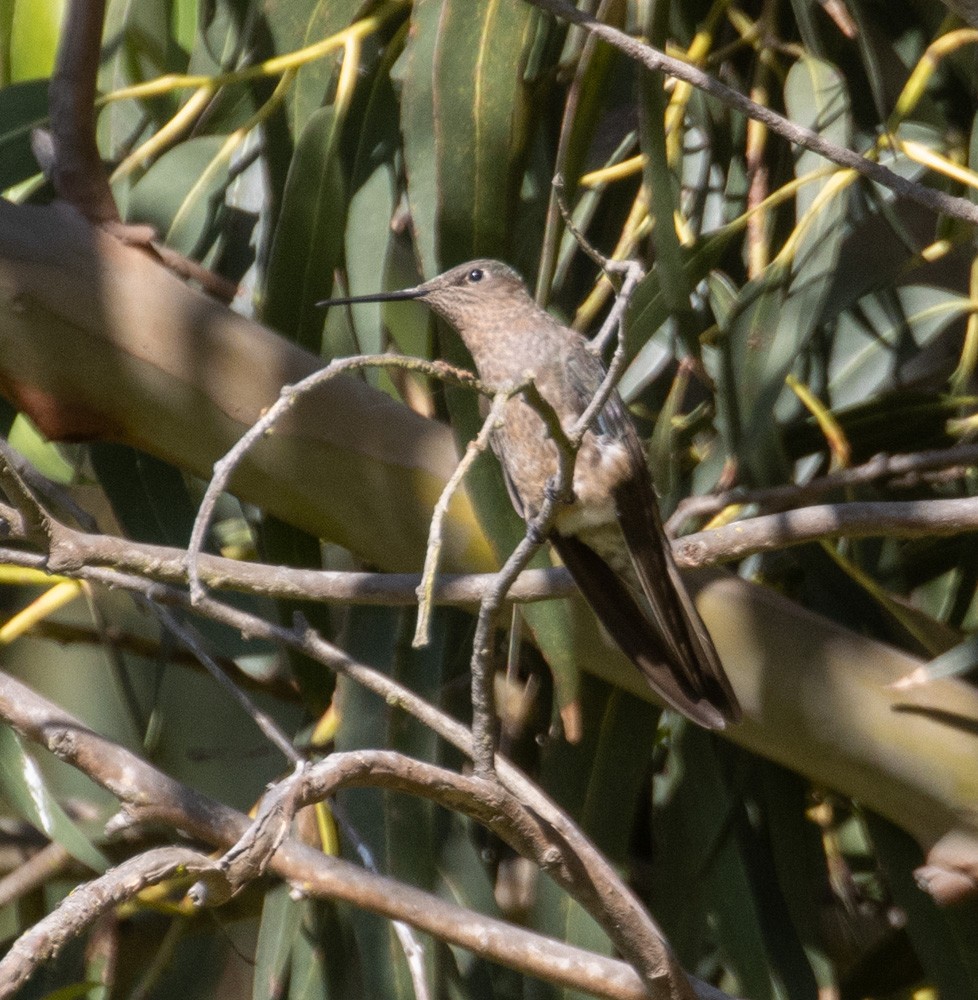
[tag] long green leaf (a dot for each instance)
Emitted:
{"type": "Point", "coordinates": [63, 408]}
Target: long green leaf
{"type": "Point", "coordinates": [308, 243]}
{"type": "Point", "coordinates": [780, 310]}
{"type": "Point", "coordinates": [23, 785]}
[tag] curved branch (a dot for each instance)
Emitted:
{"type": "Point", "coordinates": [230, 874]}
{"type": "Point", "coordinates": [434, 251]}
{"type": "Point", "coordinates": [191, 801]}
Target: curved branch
{"type": "Point", "coordinates": [485, 801]}
{"type": "Point", "coordinates": [289, 395]}
{"type": "Point", "coordinates": [149, 795]}
{"type": "Point", "coordinates": [89, 901]}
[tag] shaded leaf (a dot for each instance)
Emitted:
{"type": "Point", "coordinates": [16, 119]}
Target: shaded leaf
{"type": "Point", "coordinates": [308, 242]}
{"type": "Point", "coordinates": [23, 107]}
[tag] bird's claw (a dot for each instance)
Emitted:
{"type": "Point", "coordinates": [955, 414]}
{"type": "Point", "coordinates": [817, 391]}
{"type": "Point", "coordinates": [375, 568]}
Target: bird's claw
{"type": "Point", "coordinates": [553, 494]}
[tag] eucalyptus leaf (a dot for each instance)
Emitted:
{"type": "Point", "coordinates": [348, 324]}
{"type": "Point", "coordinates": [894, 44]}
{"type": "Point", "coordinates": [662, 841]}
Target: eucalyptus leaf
{"type": "Point", "coordinates": [23, 785]}
{"type": "Point", "coordinates": [181, 194]}
{"type": "Point", "coordinates": [780, 309]}
{"type": "Point", "coordinates": [308, 242]}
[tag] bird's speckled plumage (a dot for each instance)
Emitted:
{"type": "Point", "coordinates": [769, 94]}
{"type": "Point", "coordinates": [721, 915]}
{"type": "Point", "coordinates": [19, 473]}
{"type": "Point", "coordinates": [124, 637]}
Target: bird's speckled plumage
{"type": "Point", "coordinates": [506, 348]}
{"type": "Point", "coordinates": [611, 536]}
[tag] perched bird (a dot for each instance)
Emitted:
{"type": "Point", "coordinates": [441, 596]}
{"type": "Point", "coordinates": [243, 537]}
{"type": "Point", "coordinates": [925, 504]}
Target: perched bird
{"type": "Point", "coordinates": [610, 536]}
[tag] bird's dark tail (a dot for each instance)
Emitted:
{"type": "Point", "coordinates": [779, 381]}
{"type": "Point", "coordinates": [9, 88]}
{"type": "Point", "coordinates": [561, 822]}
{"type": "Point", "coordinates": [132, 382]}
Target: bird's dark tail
{"type": "Point", "coordinates": [686, 637]}
{"type": "Point", "coordinates": [696, 687]}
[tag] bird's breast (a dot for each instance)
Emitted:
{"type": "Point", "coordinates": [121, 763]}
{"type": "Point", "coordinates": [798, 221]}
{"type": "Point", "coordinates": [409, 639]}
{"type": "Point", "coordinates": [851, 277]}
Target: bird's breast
{"type": "Point", "coordinates": [530, 458]}
{"type": "Point", "coordinates": [602, 465]}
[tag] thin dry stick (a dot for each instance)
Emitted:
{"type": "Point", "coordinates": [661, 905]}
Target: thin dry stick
{"type": "Point", "coordinates": [411, 944]}
{"type": "Point", "coordinates": [169, 565]}
{"type": "Point", "coordinates": [892, 519]}
{"type": "Point", "coordinates": [74, 552]}
{"type": "Point", "coordinates": [87, 902]}
{"type": "Point", "coordinates": [631, 269]}
{"type": "Point", "coordinates": [224, 467]}
{"type": "Point", "coordinates": [32, 875]}
{"type": "Point", "coordinates": [194, 644]}
{"type": "Point", "coordinates": [614, 325]}
{"type": "Point", "coordinates": [483, 708]}
{"type": "Point", "coordinates": [619, 912]}
{"type": "Point", "coordinates": [35, 522]}
{"type": "Point", "coordinates": [476, 447]}
{"type": "Point", "coordinates": [39, 525]}
{"type": "Point", "coordinates": [550, 244]}
{"type": "Point", "coordinates": [559, 489]}
{"type": "Point", "coordinates": [659, 62]}
{"type": "Point", "coordinates": [486, 802]}
{"type": "Point", "coordinates": [908, 468]}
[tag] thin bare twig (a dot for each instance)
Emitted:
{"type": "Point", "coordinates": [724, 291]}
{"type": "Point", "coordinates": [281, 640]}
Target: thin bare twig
{"type": "Point", "coordinates": [483, 708]}
{"type": "Point", "coordinates": [35, 522]}
{"type": "Point", "coordinates": [189, 638]}
{"type": "Point", "coordinates": [34, 872]}
{"type": "Point", "coordinates": [559, 490]}
{"type": "Point", "coordinates": [550, 244]}
{"type": "Point", "coordinates": [169, 565]}
{"type": "Point", "coordinates": [411, 944]}
{"type": "Point", "coordinates": [634, 273]}
{"type": "Point", "coordinates": [612, 904]}
{"type": "Point", "coordinates": [557, 193]}
{"type": "Point", "coordinates": [892, 519]}
{"type": "Point", "coordinates": [40, 529]}
{"type": "Point", "coordinates": [909, 469]}
{"type": "Point", "coordinates": [612, 326]}
{"type": "Point", "coordinates": [224, 467]}
{"type": "Point", "coordinates": [87, 902]}
{"type": "Point", "coordinates": [426, 588]}
{"type": "Point", "coordinates": [659, 62]}
{"type": "Point", "coordinates": [896, 519]}
{"type": "Point", "coordinates": [625, 919]}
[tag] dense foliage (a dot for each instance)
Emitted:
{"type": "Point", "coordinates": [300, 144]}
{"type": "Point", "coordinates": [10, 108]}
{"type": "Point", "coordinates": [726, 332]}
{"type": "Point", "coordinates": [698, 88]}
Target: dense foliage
{"type": "Point", "coordinates": [795, 320]}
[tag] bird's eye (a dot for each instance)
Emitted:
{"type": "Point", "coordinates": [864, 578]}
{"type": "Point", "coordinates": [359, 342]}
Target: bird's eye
{"type": "Point", "coordinates": [476, 274]}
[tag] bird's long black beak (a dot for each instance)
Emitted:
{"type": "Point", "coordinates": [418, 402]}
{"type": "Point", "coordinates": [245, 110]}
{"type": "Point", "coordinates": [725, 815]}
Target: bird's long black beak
{"type": "Point", "coordinates": [407, 293]}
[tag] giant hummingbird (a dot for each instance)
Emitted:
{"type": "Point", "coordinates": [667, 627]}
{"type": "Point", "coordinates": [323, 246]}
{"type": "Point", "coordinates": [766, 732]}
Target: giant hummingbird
{"type": "Point", "coordinates": [610, 534]}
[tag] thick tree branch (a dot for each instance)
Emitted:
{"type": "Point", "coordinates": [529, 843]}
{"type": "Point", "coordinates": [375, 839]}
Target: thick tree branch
{"type": "Point", "coordinates": [150, 796]}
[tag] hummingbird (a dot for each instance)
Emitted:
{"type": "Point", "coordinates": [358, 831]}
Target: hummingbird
{"type": "Point", "coordinates": [609, 535]}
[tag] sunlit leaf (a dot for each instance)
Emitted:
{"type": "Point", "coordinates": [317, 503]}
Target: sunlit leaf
{"type": "Point", "coordinates": [182, 193]}
{"type": "Point", "coordinates": [34, 29]}
{"type": "Point", "coordinates": [23, 785]}
{"type": "Point", "coordinates": [780, 309]}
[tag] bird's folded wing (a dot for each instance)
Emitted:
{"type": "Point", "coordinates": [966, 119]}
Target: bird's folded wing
{"type": "Point", "coordinates": [629, 627]}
